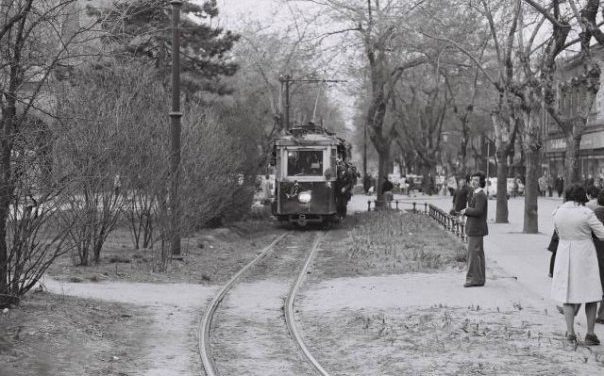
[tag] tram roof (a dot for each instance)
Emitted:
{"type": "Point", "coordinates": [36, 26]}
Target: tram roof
{"type": "Point", "coordinates": [307, 140]}
{"type": "Point", "coordinates": [308, 136]}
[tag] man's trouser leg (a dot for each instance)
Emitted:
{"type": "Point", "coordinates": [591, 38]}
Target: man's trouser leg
{"type": "Point", "coordinates": [476, 262]}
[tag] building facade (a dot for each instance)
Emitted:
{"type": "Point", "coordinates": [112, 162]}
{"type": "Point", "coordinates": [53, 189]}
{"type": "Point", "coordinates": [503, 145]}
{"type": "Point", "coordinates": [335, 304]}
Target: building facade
{"type": "Point", "coordinates": [570, 99]}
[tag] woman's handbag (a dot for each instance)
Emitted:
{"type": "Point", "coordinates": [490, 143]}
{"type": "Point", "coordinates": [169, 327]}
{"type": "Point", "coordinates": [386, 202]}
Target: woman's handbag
{"type": "Point", "coordinates": [553, 243]}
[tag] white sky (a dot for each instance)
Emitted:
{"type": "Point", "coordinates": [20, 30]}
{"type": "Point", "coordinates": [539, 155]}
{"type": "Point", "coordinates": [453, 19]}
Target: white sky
{"type": "Point", "coordinates": [275, 14]}
{"type": "Point", "coordinates": [230, 11]}
{"type": "Point", "coordinates": [235, 7]}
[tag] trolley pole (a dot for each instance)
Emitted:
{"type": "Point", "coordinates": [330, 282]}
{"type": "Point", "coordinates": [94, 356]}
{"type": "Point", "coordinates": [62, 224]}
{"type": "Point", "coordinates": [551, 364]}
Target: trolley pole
{"type": "Point", "coordinates": [175, 116]}
{"type": "Point", "coordinates": [288, 79]}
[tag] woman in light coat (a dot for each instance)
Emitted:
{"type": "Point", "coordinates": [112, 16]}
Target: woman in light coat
{"type": "Point", "coordinates": [576, 278]}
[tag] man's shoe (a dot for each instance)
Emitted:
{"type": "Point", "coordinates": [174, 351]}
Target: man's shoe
{"type": "Point", "coordinates": [470, 284]}
{"type": "Point", "coordinates": [571, 338]}
{"type": "Point", "coordinates": [591, 340]}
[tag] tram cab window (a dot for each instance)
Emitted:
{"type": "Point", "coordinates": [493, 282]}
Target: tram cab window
{"type": "Point", "coordinates": [304, 162]}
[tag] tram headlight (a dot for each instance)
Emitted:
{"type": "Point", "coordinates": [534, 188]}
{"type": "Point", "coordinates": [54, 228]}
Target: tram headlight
{"type": "Point", "coordinates": [304, 197]}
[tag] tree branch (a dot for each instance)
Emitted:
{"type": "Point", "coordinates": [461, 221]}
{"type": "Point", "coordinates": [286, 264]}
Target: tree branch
{"type": "Point", "coordinates": [545, 13]}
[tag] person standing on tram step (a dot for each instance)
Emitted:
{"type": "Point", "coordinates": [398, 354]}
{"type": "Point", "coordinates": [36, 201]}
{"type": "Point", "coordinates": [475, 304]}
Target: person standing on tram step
{"type": "Point", "coordinates": [476, 230]}
{"type": "Point", "coordinates": [576, 273]}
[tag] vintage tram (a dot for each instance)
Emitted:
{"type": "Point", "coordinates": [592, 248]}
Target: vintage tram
{"type": "Point", "coordinates": [313, 177]}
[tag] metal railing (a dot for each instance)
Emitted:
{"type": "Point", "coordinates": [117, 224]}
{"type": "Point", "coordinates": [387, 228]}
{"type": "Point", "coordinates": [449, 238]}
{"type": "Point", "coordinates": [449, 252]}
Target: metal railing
{"type": "Point", "coordinates": [450, 223]}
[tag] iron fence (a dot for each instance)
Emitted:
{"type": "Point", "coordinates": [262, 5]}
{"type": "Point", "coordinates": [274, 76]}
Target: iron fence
{"type": "Point", "coordinates": [450, 223]}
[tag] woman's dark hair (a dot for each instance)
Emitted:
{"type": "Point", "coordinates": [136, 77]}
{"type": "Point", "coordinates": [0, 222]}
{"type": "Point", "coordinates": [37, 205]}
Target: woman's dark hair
{"type": "Point", "coordinates": [575, 192]}
{"type": "Point", "coordinates": [593, 191]}
{"type": "Point", "coordinates": [601, 198]}
{"type": "Point", "coordinates": [483, 179]}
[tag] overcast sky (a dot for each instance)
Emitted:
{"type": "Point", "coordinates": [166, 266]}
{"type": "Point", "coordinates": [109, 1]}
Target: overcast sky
{"type": "Point", "coordinates": [232, 10]}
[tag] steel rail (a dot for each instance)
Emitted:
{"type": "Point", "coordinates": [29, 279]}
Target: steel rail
{"type": "Point", "coordinates": [289, 309]}
{"type": "Point", "coordinates": [206, 321]}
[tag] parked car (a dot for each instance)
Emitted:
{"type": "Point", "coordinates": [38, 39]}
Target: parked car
{"type": "Point", "coordinates": [491, 187]}
{"type": "Point", "coordinates": [415, 182]}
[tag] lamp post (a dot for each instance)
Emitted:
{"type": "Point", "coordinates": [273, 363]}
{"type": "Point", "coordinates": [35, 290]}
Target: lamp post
{"type": "Point", "coordinates": [175, 115]}
{"type": "Point", "coordinates": [364, 149]}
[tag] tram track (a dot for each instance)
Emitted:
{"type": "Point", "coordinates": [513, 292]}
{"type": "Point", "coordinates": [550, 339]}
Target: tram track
{"type": "Point", "coordinates": [205, 324]}
{"type": "Point", "coordinates": [289, 309]}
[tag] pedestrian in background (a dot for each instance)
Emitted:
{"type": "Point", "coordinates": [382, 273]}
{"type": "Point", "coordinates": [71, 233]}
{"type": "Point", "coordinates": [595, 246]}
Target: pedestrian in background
{"type": "Point", "coordinates": [367, 183]}
{"type": "Point", "coordinates": [452, 185]}
{"type": "Point", "coordinates": [542, 183]}
{"type": "Point", "coordinates": [461, 196]}
{"type": "Point", "coordinates": [387, 188]}
{"type": "Point", "coordinates": [476, 230]}
{"type": "Point", "coordinates": [559, 185]}
{"type": "Point", "coordinates": [576, 277]}
{"type": "Point", "coordinates": [592, 197]}
{"type": "Point", "coordinates": [599, 212]}
{"type": "Point", "coordinates": [550, 184]}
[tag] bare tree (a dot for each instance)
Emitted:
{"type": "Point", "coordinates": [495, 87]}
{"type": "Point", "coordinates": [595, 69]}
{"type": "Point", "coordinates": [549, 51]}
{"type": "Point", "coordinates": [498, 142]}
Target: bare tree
{"type": "Point", "coordinates": [498, 69]}
{"type": "Point", "coordinates": [90, 150]}
{"type": "Point", "coordinates": [377, 26]}
{"type": "Point", "coordinates": [265, 56]}
{"type": "Point", "coordinates": [421, 118]}
{"type": "Point", "coordinates": [36, 40]}
{"type": "Point", "coordinates": [584, 83]}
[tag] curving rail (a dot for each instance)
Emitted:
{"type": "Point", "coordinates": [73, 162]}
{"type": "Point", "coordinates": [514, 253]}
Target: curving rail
{"type": "Point", "coordinates": [289, 309]}
{"type": "Point", "coordinates": [206, 320]}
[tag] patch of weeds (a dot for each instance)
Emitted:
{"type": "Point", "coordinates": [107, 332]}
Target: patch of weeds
{"type": "Point", "coordinates": [402, 241]}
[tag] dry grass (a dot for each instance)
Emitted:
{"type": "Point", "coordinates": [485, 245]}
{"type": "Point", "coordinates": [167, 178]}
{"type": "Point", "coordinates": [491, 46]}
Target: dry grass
{"type": "Point", "coordinates": [210, 256]}
{"type": "Point", "coordinates": [58, 335]}
{"type": "Point", "coordinates": [441, 340]}
{"type": "Point", "coordinates": [388, 242]}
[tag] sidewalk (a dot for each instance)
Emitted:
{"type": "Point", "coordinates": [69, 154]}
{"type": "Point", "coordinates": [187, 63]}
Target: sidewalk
{"type": "Point", "coordinates": [509, 252]}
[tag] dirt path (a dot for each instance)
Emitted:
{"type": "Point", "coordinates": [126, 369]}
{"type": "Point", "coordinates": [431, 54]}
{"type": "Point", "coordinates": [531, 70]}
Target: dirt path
{"type": "Point", "coordinates": [171, 345]}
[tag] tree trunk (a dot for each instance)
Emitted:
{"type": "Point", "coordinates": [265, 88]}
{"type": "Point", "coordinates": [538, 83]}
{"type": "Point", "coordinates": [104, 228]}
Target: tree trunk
{"type": "Point", "coordinates": [464, 154]}
{"type": "Point", "coordinates": [6, 192]}
{"type": "Point", "coordinates": [383, 155]}
{"type": "Point", "coordinates": [427, 186]}
{"type": "Point", "coordinates": [4, 286]}
{"type": "Point", "coordinates": [531, 192]}
{"type": "Point", "coordinates": [501, 211]}
{"type": "Point", "coordinates": [571, 159]}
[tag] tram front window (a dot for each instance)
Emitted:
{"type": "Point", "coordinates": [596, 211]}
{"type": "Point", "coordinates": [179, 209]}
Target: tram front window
{"type": "Point", "coordinates": [305, 162]}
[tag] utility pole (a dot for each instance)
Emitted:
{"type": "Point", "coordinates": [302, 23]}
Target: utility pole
{"type": "Point", "coordinates": [488, 162]}
{"type": "Point", "coordinates": [175, 116]}
{"type": "Point", "coordinates": [364, 149]}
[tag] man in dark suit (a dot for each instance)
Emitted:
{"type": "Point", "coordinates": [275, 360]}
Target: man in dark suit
{"type": "Point", "coordinates": [476, 230]}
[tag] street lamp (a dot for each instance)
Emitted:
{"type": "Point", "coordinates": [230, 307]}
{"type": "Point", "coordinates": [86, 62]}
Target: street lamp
{"type": "Point", "coordinates": [175, 115]}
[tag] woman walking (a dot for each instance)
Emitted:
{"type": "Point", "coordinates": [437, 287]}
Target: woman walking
{"type": "Point", "coordinates": [576, 278]}
{"type": "Point", "coordinates": [599, 212]}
